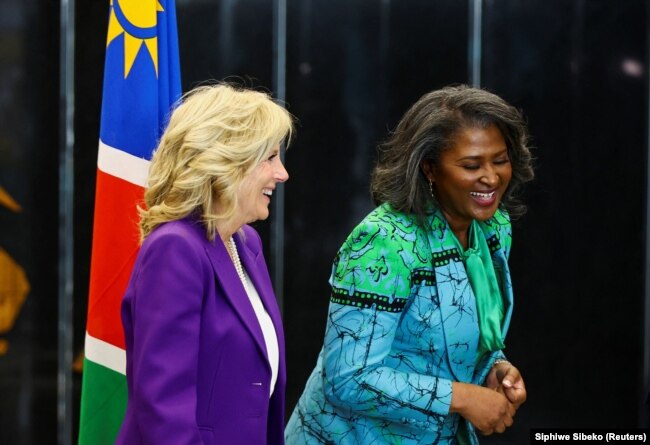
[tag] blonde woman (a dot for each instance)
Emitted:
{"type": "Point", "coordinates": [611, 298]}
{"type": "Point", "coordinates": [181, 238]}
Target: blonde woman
{"type": "Point", "coordinates": [204, 338]}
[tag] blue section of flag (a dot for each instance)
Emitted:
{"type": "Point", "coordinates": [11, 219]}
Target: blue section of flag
{"type": "Point", "coordinates": [135, 109]}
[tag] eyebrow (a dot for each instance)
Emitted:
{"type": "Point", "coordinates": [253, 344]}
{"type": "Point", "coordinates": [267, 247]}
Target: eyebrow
{"type": "Point", "coordinates": [474, 158]}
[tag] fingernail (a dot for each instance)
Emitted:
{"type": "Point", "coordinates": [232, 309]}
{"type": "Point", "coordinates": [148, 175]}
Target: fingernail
{"type": "Point", "coordinates": [507, 383]}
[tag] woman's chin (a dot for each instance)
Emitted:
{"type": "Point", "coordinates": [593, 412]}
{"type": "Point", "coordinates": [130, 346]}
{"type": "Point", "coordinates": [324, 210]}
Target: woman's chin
{"type": "Point", "coordinates": [485, 213]}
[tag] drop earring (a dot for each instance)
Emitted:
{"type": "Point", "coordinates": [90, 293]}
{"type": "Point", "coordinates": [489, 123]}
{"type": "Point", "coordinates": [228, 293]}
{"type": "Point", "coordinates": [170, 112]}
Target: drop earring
{"type": "Point", "coordinates": [431, 189]}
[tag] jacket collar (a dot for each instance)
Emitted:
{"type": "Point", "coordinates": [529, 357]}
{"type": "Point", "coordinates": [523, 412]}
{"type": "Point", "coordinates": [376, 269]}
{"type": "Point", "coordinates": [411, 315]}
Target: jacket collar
{"type": "Point", "coordinates": [456, 299]}
{"type": "Point", "coordinates": [233, 289]}
{"type": "Point", "coordinates": [255, 265]}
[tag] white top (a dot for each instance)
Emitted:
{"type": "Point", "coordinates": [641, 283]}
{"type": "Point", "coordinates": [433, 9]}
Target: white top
{"type": "Point", "coordinates": [270, 336]}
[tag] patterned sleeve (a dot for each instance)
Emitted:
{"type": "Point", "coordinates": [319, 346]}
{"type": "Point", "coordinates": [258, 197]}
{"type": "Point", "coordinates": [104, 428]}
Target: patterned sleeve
{"type": "Point", "coordinates": [371, 286]}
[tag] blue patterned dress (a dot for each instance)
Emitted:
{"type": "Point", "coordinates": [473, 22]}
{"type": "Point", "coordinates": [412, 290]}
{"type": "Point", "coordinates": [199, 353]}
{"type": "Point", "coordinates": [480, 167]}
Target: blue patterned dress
{"type": "Point", "coordinates": [402, 326]}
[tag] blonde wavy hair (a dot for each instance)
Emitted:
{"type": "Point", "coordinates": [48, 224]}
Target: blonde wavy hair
{"type": "Point", "coordinates": [215, 136]}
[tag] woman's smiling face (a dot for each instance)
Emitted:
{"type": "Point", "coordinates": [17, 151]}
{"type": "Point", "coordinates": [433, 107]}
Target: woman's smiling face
{"type": "Point", "coordinates": [471, 176]}
{"type": "Point", "coordinates": [255, 192]}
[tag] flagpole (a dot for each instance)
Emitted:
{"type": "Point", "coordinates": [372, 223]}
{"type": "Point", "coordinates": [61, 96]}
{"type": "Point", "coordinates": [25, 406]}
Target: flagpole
{"type": "Point", "coordinates": [66, 235]}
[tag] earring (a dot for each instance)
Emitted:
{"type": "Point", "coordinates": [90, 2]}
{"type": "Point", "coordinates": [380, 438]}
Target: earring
{"type": "Point", "coordinates": [431, 189]}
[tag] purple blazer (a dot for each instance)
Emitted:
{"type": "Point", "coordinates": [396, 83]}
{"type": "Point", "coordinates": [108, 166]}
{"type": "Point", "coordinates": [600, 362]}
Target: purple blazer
{"type": "Point", "coordinates": [196, 363]}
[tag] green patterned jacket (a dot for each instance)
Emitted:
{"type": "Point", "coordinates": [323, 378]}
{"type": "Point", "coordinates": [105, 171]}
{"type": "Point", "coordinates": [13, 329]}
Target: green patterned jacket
{"type": "Point", "coordinates": [402, 325]}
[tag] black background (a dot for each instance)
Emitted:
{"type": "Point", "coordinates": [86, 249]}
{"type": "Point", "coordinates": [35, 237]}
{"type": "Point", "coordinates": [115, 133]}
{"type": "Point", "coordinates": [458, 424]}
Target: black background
{"type": "Point", "coordinates": [577, 68]}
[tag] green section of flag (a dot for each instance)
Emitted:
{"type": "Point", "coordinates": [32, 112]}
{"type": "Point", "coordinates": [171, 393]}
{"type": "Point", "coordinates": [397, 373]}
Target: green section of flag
{"type": "Point", "coordinates": [103, 407]}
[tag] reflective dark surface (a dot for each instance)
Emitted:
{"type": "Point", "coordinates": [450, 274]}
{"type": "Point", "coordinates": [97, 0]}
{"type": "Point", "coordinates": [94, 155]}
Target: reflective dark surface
{"type": "Point", "coordinates": [578, 69]}
{"type": "Point", "coordinates": [28, 236]}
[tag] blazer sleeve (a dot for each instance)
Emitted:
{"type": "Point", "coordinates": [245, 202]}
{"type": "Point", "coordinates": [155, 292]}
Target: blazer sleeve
{"type": "Point", "coordinates": [166, 310]}
{"type": "Point", "coordinates": [370, 289]}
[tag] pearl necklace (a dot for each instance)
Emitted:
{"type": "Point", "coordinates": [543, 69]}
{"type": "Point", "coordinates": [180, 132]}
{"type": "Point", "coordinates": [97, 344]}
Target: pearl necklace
{"type": "Point", "coordinates": [234, 256]}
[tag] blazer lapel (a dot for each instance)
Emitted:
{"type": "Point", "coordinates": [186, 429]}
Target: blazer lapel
{"type": "Point", "coordinates": [234, 291]}
{"type": "Point", "coordinates": [256, 268]}
{"type": "Point", "coordinates": [456, 300]}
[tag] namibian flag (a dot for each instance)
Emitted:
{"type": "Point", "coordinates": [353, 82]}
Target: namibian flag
{"type": "Point", "coordinates": [141, 83]}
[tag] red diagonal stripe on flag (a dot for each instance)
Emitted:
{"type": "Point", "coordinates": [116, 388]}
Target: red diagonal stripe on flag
{"type": "Point", "coordinates": [112, 256]}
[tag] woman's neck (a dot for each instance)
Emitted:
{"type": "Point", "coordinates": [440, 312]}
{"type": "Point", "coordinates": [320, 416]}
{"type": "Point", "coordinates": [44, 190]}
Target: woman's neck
{"type": "Point", "coordinates": [462, 237]}
{"type": "Point", "coordinates": [460, 229]}
{"type": "Point", "coordinates": [226, 229]}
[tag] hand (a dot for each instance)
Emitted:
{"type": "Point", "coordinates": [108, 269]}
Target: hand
{"type": "Point", "coordinates": [507, 379]}
{"type": "Point", "coordinates": [488, 410]}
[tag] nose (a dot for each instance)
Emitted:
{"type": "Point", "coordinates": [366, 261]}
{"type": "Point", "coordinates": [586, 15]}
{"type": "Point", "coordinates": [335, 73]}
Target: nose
{"type": "Point", "coordinates": [281, 174]}
{"type": "Point", "coordinates": [490, 177]}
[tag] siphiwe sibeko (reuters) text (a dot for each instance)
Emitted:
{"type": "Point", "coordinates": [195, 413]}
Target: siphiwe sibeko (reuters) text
{"type": "Point", "coordinates": [551, 436]}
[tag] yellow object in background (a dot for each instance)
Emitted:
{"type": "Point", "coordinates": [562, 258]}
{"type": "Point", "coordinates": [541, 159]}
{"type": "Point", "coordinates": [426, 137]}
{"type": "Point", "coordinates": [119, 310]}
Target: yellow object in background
{"type": "Point", "coordinates": [13, 291]}
{"type": "Point", "coordinates": [7, 201]}
{"type": "Point", "coordinates": [14, 285]}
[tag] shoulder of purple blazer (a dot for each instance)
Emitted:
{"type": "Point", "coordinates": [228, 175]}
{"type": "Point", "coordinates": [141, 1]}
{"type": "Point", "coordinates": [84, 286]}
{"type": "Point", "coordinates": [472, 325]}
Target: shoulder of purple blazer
{"type": "Point", "coordinates": [190, 232]}
{"type": "Point", "coordinates": [186, 240]}
{"type": "Point", "coordinates": [186, 227]}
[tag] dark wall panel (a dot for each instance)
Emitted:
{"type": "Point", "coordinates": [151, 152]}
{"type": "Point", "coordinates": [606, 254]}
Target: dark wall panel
{"type": "Point", "coordinates": [579, 72]}
{"type": "Point", "coordinates": [91, 24]}
{"type": "Point", "coordinates": [353, 69]}
{"type": "Point", "coordinates": [28, 233]}
{"type": "Point", "coordinates": [229, 39]}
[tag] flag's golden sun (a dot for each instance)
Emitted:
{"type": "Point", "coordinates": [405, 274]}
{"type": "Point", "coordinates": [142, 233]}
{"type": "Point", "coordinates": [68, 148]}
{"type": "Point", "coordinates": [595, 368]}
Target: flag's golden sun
{"type": "Point", "coordinates": [136, 19]}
